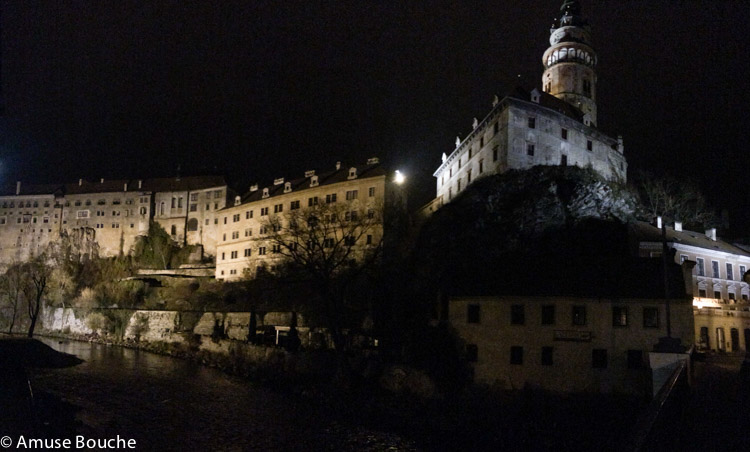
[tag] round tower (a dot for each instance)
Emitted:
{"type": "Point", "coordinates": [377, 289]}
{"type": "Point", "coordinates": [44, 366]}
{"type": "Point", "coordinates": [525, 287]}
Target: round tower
{"type": "Point", "coordinates": [570, 62]}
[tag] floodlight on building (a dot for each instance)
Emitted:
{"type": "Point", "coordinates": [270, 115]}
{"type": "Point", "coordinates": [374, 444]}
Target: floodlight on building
{"type": "Point", "coordinates": [399, 178]}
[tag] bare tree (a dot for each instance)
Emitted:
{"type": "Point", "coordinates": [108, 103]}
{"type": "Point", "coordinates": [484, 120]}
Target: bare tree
{"type": "Point", "coordinates": [675, 200]}
{"type": "Point", "coordinates": [331, 244]}
{"type": "Point", "coordinates": [12, 284]}
{"type": "Point", "coordinates": [35, 290]}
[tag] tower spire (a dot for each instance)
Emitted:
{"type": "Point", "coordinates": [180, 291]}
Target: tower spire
{"type": "Point", "coordinates": [570, 61]}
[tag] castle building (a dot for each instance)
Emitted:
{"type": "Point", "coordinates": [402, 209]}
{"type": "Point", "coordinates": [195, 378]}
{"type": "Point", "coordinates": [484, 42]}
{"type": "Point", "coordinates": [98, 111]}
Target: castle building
{"type": "Point", "coordinates": [554, 126]}
{"type": "Point", "coordinates": [347, 203]}
{"type": "Point", "coordinates": [107, 217]}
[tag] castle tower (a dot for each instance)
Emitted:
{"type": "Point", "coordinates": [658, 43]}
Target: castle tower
{"type": "Point", "coordinates": [570, 61]}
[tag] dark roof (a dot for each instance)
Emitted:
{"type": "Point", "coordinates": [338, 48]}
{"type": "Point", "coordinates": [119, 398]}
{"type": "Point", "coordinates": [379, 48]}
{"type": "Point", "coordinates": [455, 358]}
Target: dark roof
{"type": "Point", "coordinates": [117, 185]}
{"type": "Point", "coordinates": [646, 232]}
{"type": "Point", "coordinates": [325, 178]}
{"type": "Point", "coordinates": [548, 101]}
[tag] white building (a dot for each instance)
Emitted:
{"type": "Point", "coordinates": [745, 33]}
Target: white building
{"type": "Point", "coordinates": [556, 126]}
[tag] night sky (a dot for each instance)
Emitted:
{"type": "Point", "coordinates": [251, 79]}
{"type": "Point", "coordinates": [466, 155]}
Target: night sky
{"type": "Point", "coordinates": [256, 89]}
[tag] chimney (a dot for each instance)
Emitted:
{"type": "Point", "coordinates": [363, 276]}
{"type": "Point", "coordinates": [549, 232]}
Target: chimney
{"type": "Point", "coordinates": [140, 184]}
{"type": "Point", "coordinates": [658, 222]}
{"type": "Point", "coordinates": [18, 187]}
{"type": "Point", "coordinates": [338, 166]}
{"type": "Point", "coordinates": [711, 233]}
{"type": "Point", "coordinates": [678, 226]}
{"type": "Point", "coordinates": [125, 187]}
{"type": "Point", "coordinates": [80, 182]}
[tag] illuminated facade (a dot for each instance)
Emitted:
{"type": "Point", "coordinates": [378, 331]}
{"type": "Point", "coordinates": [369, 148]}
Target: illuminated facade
{"type": "Point", "coordinates": [555, 126]}
{"type": "Point", "coordinates": [721, 293]}
{"type": "Point", "coordinates": [106, 217]}
{"type": "Point", "coordinates": [244, 234]}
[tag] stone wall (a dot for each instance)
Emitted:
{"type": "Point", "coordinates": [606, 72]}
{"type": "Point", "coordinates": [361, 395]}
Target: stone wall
{"type": "Point", "coordinates": [170, 326]}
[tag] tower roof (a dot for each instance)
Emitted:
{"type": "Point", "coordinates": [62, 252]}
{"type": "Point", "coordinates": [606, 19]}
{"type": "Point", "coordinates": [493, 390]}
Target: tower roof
{"type": "Point", "coordinates": [570, 15]}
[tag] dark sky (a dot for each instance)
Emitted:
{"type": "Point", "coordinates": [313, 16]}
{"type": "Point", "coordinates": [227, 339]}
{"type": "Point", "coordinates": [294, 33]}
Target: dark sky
{"type": "Point", "coordinates": [258, 89]}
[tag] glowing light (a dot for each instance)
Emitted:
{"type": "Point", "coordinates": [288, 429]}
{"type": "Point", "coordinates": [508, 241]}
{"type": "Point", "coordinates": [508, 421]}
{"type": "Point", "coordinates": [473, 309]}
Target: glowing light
{"type": "Point", "coordinates": [399, 178]}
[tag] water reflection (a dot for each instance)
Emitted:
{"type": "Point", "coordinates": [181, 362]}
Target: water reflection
{"type": "Point", "coordinates": [171, 404]}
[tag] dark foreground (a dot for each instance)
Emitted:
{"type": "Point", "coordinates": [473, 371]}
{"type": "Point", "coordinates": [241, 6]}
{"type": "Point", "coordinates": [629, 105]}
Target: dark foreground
{"type": "Point", "coordinates": [170, 404]}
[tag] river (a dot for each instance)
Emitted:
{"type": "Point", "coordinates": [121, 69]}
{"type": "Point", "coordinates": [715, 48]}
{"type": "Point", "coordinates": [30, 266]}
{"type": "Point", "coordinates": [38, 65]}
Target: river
{"type": "Point", "coordinates": [166, 403]}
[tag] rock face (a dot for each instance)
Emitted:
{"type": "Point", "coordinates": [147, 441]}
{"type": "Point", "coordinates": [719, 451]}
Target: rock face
{"type": "Point", "coordinates": [546, 230]}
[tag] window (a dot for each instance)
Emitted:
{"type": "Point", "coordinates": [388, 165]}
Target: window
{"type": "Point", "coordinates": [563, 160]}
{"type": "Point", "coordinates": [276, 248]}
{"type": "Point", "coordinates": [248, 214]}
{"type": "Point", "coordinates": [715, 268]}
{"type": "Point", "coordinates": [548, 314]}
{"type": "Point", "coordinates": [223, 256]}
{"type": "Point", "coordinates": [717, 294]}
{"type": "Point", "coordinates": [530, 149]}
{"type": "Point", "coordinates": [743, 270]}
{"type": "Point", "coordinates": [494, 154]}
{"type": "Point", "coordinates": [193, 196]}
{"type": "Point", "coordinates": [369, 239]}
{"type": "Point", "coordinates": [217, 194]}
{"type": "Point", "coordinates": [371, 192]}
{"type": "Point", "coordinates": [546, 356]}
{"type": "Point", "coordinates": [732, 296]}
{"type": "Point", "coordinates": [468, 176]}
{"type": "Point", "coordinates": [472, 313]}
{"type": "Point", "coordinates": [651, 317]}
{"type": "Point", "coordinates": [481, 166]}
{"type": "Point", "coordinates": [472, 353]}
{"type": "Point", "coordinates": [516, 354]}
{"type": "Point", "coordinates": [351, 195]}
{"type": "Point", "coordinates": [248, 252]}
{"type": "Point", "coordinates": [532, 122]}
{"type": "Point", "coordinates": [262, 250]}
{"type": "Point", "coordinates": [564, 134]}
{"type": "Point", "coordinates": [312, 201]}
{"type": "Point", "coordinates": [683, 258]}
{"type": "Point", "coordinates": [192, 224]}
{"type": "Point", "coordinates": [225, 220]}
{"type": "Point", "coordinates": [331, 198]}
{"type": "Point", "coordinates": [579, 315]}
{"type": "Point", "coordinates": [263, 230]}
{"type": "Point", "coordinates": [730, 271]}
{"type": "Point", "coordinates": [328, 243]}
{"type": "Point", "coordinates": [496, 127]}
{"type": "Point", "coordinates": [517, 316]}
{"type": "Point", "coordinates": [294, 205]}
{"type": "Point", "coordinates": [619, 316]}
{"type": "Point", "coordinates": [248, 232]}
{"type": "Point", "coordinates": [635, 359]}
{"type": "Point", "coordinates": [599, 358]}
{"type": "Point", "coordinates": [589, 146]}
{"type": "Point", "coordinates": [278, 208]}
{"type": "Point", "coordinates": [702, 293]}
{"type": "Point", "coordinates": [233, 255]}
{"type": "Point", "coordinates": [701, 267]}
{"type": "Point", "coordinates": [586, 87]}
{"type": "Point", "coordinates": [263, 211]}
{"type": "Point", "coordinates": [235, 235]}
{"type": "Point", "coordinates": [235, 218]}
{"type": "Point", "coordinates": [179, 202]}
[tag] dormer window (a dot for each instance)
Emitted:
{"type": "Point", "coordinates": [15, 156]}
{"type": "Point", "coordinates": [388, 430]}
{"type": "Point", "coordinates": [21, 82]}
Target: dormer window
{"type": "Point", "coordinates": [287, 187]}
{"type": "Point", "coordinates": [314, 181]}
{"type": "Point", "coordinates": [352, 173]}
{"type": "Point", "coordinates": [237, 200]}
{"type": "Point", "coordinates": [265, 192]}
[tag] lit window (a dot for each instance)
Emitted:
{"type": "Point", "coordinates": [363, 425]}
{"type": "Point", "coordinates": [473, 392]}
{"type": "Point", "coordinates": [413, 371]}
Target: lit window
{"type": "Point", "coordinates": [619, 316]}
